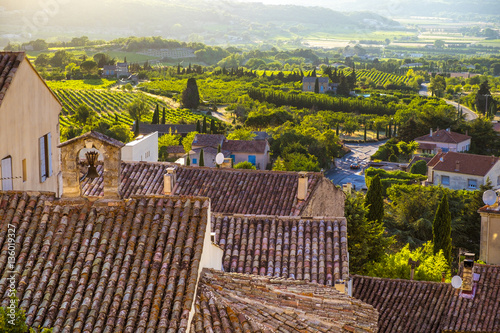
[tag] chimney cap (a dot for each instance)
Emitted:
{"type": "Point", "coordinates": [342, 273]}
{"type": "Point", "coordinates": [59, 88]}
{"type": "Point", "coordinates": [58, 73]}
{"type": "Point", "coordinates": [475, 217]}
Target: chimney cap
{"type": "Point", "coordinates": [170, 170]}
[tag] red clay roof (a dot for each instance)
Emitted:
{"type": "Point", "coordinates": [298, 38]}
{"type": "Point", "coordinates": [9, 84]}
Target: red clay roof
{"type": "Point", "coordinates": [417, 306]}
{"type": "Point", "coordinates": [308, 249]}
{"type": "Point", "coordinates": [9, 63]}
{"type": "Point", "coordinates": [236, 191]}
{"type": "Point", "coordinates": [426, 146]}
{"type": "Point", "coordinates": [179, 149]}
{"type": "Point", "coordinates": [444, 136]}
{"type": "Point", "coordinates": [229, 302]}
{"type": "Point", "coordinates": [125, 267]}
{"type": "Point", "coordinates": [469, 164]}
{"type": "Point", "coordinates": [243, 146]}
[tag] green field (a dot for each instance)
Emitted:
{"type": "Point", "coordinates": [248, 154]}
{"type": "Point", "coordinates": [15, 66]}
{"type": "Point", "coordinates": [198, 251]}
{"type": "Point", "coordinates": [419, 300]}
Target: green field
{"type": "Point", "coordinates": [89, 84]}
{"type": "Point", "coordinates": [379, 78]}
{"type": "Point", "coordinates": [111, 106]}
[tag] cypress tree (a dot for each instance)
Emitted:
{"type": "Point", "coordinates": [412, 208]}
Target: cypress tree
{"type": "Point", "coordinates": [204, 128]}
{"type": "Point", "coordinates": [316, 86]}
{"type": "Point", "coordinates": [441, 229]}
{"type": "Point", "coordinates": [202, 159]}
{"type": "Point", "coordinates": [374, 201]}
{"type": "Point", "coordinates": [163, 117]}
{"type": "Point", "coordinates": [156, 115]}
{"type": "Point", "coordinates": [188, 160]}
{"type": "Point", "coordinates": [198, 129]}
{"type": "Point", "coordinates": [191, 95]}
{"type": "Point", "coordinates": [212, 126]}
{"type": "Point", "coordinates": [365, 133]}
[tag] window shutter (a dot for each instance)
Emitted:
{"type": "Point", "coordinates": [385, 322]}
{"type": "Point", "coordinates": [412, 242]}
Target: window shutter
{"type": "Point", "coordinates": [49, 155]}
{"type": "Point", "coordinates": [43, 171]}
{"type": "Point", "coordinates": [6, 166]}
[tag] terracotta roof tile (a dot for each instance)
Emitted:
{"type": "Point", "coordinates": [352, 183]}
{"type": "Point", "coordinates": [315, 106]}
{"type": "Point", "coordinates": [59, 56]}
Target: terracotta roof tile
{"type": "Point", "coordinates": [234, 191]}
{"type": "Point", "coordinates": [9, 63]}
{"type": "Point", "coordinates": [130, 267]}
{"type": "Point", "coordinates": [299, 248]}
{"type": "Point", "coordinates": [418, 306]}
{"type": "Point", "coordinates": [243, 146]}
{"type": "Point", "coordinates": [175, 149]}
{"type": "Point", "coordinates": [229, 302]}
{"type": "Point", "coordinates": [469, 164]}
{"type": "Point", "coordinates": [444, 136]}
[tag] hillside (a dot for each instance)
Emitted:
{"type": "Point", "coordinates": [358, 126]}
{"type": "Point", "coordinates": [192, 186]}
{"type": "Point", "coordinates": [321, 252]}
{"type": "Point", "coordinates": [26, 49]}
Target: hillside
{"type": "Point", "coordinates": [196, 20]}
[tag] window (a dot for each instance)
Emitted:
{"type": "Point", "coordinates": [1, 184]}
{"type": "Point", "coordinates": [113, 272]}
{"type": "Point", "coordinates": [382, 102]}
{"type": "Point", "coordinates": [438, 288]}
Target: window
{"type": "Point", "coordinates": [471, 183]}
{"type": "Point", "coordinates": [25, 171]}
{"type": "Point", "coordinates": [6, 174]}
{"type": "Point", "coordinates": [234, 157]}
{"type": "Point", "coordinates": [445, 180]}
{"type": "Point", "coordinates": [45, 157]}
{"type": "Point", "coordinates": [445, 150]}
{"type": "Point", "coordinates": [195, 161]}
{"type": "Point", "coordinates": [252, 159]}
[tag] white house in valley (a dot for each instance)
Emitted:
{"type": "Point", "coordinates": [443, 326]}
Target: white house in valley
{"type": "Point", "coordinates": [460, 171]}
{"type": "Point", "coordinates": [444, 140]}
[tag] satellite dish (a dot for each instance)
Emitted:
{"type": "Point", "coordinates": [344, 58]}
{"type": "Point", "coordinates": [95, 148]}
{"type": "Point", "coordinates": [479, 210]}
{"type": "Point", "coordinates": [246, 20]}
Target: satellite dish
{"type": "Point", "coordinates": [219, 158]}
{"type": "Point", "coordinates": [489, 197]}
{"type": "Point", "coordinates": [456, 282]}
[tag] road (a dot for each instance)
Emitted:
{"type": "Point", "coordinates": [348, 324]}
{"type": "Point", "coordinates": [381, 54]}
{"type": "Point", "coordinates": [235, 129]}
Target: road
{"type": "Point", "coordinates": [360, 153]}
{"type": "Point", "coordinates": [468, 113]}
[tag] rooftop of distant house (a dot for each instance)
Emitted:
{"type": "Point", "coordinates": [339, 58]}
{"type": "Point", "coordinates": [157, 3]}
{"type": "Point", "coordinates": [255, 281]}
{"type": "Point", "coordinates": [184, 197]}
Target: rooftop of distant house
{"type": "Point", "coordinates": [443, 136]}
{"type": "Point", "coordinates": [245, 146]}
{"type": "Point", "coordinates": [470, 164]}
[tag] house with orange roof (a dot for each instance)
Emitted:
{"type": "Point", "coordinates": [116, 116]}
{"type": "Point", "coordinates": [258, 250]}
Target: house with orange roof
{"type": "Point", "coordinates": [460, 171]}
{"type": "Point", "coordinates": [29, 127]}
{"type": "Point", "coordinates": [444, 140]}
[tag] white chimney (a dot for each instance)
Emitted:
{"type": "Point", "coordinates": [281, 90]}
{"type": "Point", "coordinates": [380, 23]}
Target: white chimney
{"type": "Point", "coordinates": [169, 181]}
{"type": "Point", "coordinates": [430, 133]}
{"type": "Point", "coordinates": [303, 183]}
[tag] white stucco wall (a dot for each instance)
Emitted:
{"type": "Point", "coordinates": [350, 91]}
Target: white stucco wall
{"type": "Point", "coordinates": [261, 160]}
{"type": "Point", "coordinates": [143, 149]}
{"type": "Point", "coordinates": [29, 111]}
{"type": "Point", "coordinates": [458, 181]}
{"type": "Point", "coordinates": [490, 238]}
{"type": "Point", "coordinates": [460, 147]}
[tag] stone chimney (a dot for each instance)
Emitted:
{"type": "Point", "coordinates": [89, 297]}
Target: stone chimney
{"type": "Point", "coordinates": [467, 273]}
{"type": "Point", "coordinates": [303, 183]}
{"type": "Point", "coordinates": [109, 153]}
{"type": "Point", "coordinates": [457, 166]}
{"type": "Point", "coordinates": [169, 180]}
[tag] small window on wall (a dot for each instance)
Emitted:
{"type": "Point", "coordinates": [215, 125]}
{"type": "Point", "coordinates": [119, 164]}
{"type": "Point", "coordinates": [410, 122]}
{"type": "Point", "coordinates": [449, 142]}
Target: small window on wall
{"type": "Point", "coordinates": [445, 180]}
{"type": "Point", "coordinates": [195, 161]}
{"type": "Point", "coordinates": [471, 183]}
{"type": "Point", "coordinates": [6, 168]}
{"type": "Point", "coordinates": [45, 154]}
{"type": "Point", "coordinates": [25, 171]}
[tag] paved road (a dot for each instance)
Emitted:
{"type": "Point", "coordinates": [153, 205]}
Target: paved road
{"type": "Point", "coordinates": [468, 113]}
{"type": "Point", "coordinates": [360, 153]}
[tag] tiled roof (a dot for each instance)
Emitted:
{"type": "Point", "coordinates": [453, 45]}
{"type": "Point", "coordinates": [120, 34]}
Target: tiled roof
{"type": "Point", "coordinates": [208, 140]}
{"type": "Point", "coordinates": [244, 146]}
{"type": "Point", "coordinates": [469, 164]}
{"type": "Point", "coordinates": [230, 190]}
{"type": "Point", "coordinates": [444, 136]}
{"type": "Point", "coordinates": [228, 302]}
{"type": "Point", "coordinates": [145, 128]}
{"type": "Point", "coordinates": [312, 79]}
{"type": "Point", "coordinates": [119, 267]}
{"type": "Point", "coordinates": [417, 306]}
{"type": "Point", "coordinates": [308, 249]}
{"type": "Point", "coordinates": [9, 63]}
{"type": "Point", "coordinates": [426, 146]}
{"type": "Point", "coordinates": [175, 149]}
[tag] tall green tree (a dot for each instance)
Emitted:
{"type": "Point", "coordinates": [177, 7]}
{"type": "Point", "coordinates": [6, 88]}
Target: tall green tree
{"type": "Point", "coordinates": [441, 229]}
{"type": "Point", "coordinates": [316, 86]}
{"type": "Point", "coordinates": [198, 128]}
{"type": "Point", "coordinates": [156, 115]}
{"type": "Point", "coordinates": [137, 109]}
{"type": "Point", "coordinates": [82, 113]}
{"type": "Point", "coordinates": [204, 127]}
{"type": "Point", "coordinates": [366, 240]}
{"type": "Point", "coordinates": [438, 86]}
{"type": "Point", "coordinates": [202, 159]}
{"type": "Point", "coordinates": [163, 117]}
{"type": "Point", "coordinates": [374, 201]}
{"type": "Point", "coordinates": [191, 95]}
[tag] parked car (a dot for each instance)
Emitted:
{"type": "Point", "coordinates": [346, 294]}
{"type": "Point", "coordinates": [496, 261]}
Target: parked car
{"type": "Point", "coordinates": [354, 165]}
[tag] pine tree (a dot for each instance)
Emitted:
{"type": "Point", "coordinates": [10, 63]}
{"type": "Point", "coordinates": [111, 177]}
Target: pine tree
{"type": "Point", "coordinates": [198, 129]}
{"type": "Point", "coordinates": [202, 159]}
{"type": "Point", "coordinates": [441, 229]}
{"type": "Point", "coordinates": [374, 201]}
{"type": "Point", "coordinates": [163, 117]}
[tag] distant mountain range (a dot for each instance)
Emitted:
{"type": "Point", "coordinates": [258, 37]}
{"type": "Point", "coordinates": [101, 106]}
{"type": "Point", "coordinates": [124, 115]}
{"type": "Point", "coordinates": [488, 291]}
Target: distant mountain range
{"type": "Point", "coordinates": [198, 20]}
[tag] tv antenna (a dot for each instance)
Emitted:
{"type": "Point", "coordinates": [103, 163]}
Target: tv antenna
{"type": "Point", "coordinates": [489, 197]}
